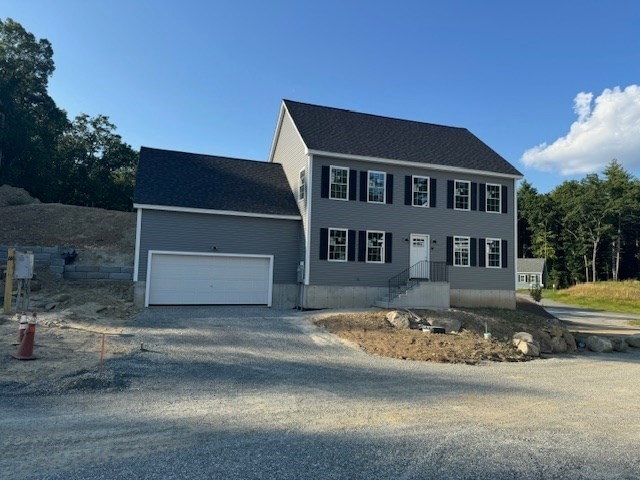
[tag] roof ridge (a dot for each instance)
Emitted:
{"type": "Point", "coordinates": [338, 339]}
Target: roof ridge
{"type": "Point", "coordinates": [387, 117]}
{"type": "Point", "coordinates": [235, 159]}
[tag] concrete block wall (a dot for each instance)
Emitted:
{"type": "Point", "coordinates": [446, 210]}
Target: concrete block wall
{"type": "Point", "coordinates": [53, 257]}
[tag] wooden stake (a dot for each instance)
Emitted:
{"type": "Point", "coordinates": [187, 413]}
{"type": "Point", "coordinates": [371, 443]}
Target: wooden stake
{"type": "Point", "coordinates": [8, 281]}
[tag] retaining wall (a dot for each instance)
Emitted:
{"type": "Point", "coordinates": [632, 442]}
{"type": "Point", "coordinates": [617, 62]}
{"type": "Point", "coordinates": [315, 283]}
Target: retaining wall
{"type": "Point", "coordinates": [53, 258]}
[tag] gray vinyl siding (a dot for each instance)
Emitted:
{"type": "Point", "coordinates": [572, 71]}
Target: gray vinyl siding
{"type": "Point", "coordinates": [196, 232]}
{"type": "Point", "coordinates": [402, 220]}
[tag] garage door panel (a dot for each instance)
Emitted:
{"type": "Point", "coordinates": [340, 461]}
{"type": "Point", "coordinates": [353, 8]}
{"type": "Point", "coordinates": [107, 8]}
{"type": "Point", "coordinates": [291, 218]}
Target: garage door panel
{"type": "Point", "coordinates": [179, 279]}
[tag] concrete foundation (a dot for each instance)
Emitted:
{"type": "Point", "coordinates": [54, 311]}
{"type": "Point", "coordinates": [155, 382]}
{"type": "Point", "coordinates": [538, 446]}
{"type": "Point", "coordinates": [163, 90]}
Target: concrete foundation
{"type": "Point", "coordinates": [423, 295]}
{"type": "Point", "coordinates": [484, 298]}
{"type": "Point", "coordinates": [318, 296]}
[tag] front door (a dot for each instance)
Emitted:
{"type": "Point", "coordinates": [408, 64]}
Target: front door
{"type": "Point", "coordinates": [419, 255]}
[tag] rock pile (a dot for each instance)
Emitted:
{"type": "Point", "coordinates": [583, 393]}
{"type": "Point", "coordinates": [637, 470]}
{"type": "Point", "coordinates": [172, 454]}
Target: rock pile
{"type": "Point", "coordinates": [551, 339]}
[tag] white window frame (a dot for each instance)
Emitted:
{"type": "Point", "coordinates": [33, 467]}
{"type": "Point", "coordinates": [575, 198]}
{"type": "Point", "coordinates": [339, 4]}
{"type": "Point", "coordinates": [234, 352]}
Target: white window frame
{"type": "Point", "coordinates": [331, 183]}
{"type": "Point", "coordinates": [382, 252]}
{"type": "Point", "coordinates": [522, 278]}
{"type": "Point", "coordinates": [456, 240]}
{"type": "Point", "coordinates": [487, 252]}
{"type": "Point", "coordinates": [384, 186]}
{"type": "Point", "coordinates": [302, 184]}
{"type": "Point", "coordinates": [456, 195]}
{"type": "Point", "coordinates": [346, 244]}
{"type": "Point", "coordinates": [486, 197]}
{"type": "Point", "coordinates": [413, 191]}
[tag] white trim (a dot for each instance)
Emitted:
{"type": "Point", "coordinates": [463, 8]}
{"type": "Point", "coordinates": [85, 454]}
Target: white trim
{"type": "Point", "coordinates": [486, 252]}
{"type": "Point", "coordinates": [406, 163]}
{"type": "Point", "coordinates": [206, 254]}
{"type": "Point", "coordinates": [331, 167]}
{"type": "Point", "coordinates": [207, 211]}
{"type": "Point", "coordinates": [384, 187]}
{"type": "Point", "coordinates": [276, 135]}
{"type": "Point", "coordinates": [453, 252]}
{"type": "Point", "coordinates": [486, 196]}
{"type": "Point", "coordinates": [346, 246]}
{"type": "Point", "coordinates": [428, 205]}
{"type": "Point", "coordinates": [514, 259]}
{"type": "Point", "coordinates": [306, 227]}
{"type": "Point", "coordinates": [382, 249]}
{"type": "Point", "coordinates": [468, 182]}
{"type": "Point", "coordinates": [136, 259]}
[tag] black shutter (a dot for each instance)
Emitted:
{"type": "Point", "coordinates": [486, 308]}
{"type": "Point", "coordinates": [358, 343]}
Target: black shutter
{"type": "Point", "coordinates": [503, 197]}
{"type": "Point", "coordinates": [473, 252]}
{"type": "Point", "coordinates": [324, 188]}
{"type": "Point", "coordinates": [482, 252]}
{"type": "Point", "coordinates": [449, 250]}
{"type": "Point", "coordinates": [505, 254]}
{"type": "Point", "coordinates": [407, 190]}
{"type": "Point", "coordinates": [449, 193]}
{"type": "Point", "coordinates": [483, 197]}
{"type": "Point", "coordinates": [324, 243]}
{"type": "Point", "coordinates": [362, 245]}
{"type": "Point", "coordinates": [389, 188]}
{"type": "Point", "coordinates": [474, 196]}
{"type": "Point", "coordinates": [432, 192]}
{"type": "Point", "coordinates": [351, 254]}
{"type": "Point", "coordinates": [388, 245]}
{"type": "Point", "coordinates": [353, 184]}
{"type": "Point", "coordinates": [364, 178]}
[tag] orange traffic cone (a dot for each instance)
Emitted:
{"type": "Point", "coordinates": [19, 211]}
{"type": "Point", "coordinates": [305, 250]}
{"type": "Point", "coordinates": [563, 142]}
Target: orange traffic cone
{"type": "Point", "coordinates": [25, 350]}
{"type": "Point", "coordinates": [22, 328]}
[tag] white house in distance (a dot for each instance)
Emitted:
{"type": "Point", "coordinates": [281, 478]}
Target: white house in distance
{"type": "Point", "coordinates": [532, 272]}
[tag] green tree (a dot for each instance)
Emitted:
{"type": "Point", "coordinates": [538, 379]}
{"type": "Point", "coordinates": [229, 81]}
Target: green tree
{"type": "Point", "coordinates": [99, 166]}
{"type": "Point", "coordinates": [30, 121]}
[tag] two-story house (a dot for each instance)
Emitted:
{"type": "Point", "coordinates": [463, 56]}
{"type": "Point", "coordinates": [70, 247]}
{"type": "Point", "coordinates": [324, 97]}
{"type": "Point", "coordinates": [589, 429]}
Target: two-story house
{"type": "Point", "coordinates": [357, 209]}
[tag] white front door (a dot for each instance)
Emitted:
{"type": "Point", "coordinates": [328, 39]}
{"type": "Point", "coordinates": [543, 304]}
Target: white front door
{"type": "Point", "coordinates": [419, 251]}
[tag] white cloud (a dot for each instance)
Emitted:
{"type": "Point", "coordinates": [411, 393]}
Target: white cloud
{"type": "Point", "coordinates": [607, 128]}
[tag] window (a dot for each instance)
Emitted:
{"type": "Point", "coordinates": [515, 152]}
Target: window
{"type": "Point", "coordinates": [339, 183]}
{"type": "Point", "coordinates": [461, 247]}
{"type": "Point", "coordinates": [462, 195]}
{"type": "Point", "coordinates": [337, 245]}
{"type": "Point", "coordinates": [522, 278]}
{"type": "Point", "coordinates": [493, 198]}
{"type": "Point", "coordinates": [493, 252]}
{"type": "Point", "coordinates": [302, 184]}
{"type": "Point", "coordinates": [375, 247]}
{"type": "Point", "coordinates": [377, 186]}
{"type": "Point", "coordinates": [420, 191]}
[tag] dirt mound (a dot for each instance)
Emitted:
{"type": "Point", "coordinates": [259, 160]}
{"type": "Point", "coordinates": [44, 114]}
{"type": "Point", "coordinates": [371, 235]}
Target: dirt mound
{"type": "Point", "coordinates": [54, 224]}
{"type": "Point", "coordinates": [15, 196]}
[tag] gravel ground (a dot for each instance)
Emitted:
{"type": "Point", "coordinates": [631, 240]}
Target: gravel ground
{"type": "Point", "coordinates": [258, 393]}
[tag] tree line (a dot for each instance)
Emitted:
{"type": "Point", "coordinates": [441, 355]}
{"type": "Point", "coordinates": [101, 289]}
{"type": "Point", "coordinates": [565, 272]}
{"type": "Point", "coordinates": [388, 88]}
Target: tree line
{"type": "Point", "coordinates": [588, 230]}
{"type": "Point", "coordinates": [78, 162]}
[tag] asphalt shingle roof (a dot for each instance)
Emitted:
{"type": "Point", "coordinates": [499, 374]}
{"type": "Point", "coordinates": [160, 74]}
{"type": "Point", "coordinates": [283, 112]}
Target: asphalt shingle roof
{"type": "Point", "coordinates": [189, 180]}
{"type": "Point", "coordinates": [530, 265]}
{"type": "Point", "coordinates": [334, 130]}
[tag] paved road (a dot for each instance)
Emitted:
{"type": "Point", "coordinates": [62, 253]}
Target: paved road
{"type": "Point", "coordinates": [591, 321]}
{"type": "Point", "coordinates": [257, 393]}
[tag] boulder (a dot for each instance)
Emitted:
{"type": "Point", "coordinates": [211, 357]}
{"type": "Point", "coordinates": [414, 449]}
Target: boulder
{"type": "Point", "coordinates": [521, 337]}
{"type": "Point", "coordinates": [529, 349]}
{"type": "Point", "coordinates": [449, 324]}
{"type": "Point", "coordinates": [570, 341]}
{"type": "Point", "coordinates": [618, 344]}
{"type": "Point", "coordinates": [555, 331]}
{"type": "Point", "coordinates": [545, 342]}
{"type": "Point", "coordinates": [558, 345]}
{"type": "Point", "coordinates": [599, 344]}
{"type": "Point", "coordinates": [399, 319]}
{"type": "Point", "coordinates": [633, 340]}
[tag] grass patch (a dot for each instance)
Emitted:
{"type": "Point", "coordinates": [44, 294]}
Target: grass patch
{"type": "Point", "coordinates": [621, 297]}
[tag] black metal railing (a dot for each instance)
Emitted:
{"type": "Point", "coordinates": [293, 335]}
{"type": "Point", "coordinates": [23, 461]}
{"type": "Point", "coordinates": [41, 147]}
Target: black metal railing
{"type": "Point", "coordinates": [422, 271]}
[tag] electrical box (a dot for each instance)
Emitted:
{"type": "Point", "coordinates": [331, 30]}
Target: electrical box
{"type": "Point", "coordinates": [301, 272]}
{"type": "Point", "coordinates": [23, 266]}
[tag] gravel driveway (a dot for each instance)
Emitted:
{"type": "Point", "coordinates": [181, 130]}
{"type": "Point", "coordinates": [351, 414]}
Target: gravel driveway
{"type": "Point", "coordinates": [258, 393]}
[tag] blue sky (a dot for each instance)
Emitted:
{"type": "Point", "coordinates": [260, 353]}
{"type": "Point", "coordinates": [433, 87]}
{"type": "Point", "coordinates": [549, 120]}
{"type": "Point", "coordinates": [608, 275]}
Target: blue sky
{"type": "Point", "coordinates": [559, 80]}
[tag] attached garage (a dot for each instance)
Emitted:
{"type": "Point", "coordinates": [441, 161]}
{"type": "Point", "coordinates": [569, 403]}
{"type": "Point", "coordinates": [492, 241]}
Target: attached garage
{"type": "Point", "coordinates": [187, 278]}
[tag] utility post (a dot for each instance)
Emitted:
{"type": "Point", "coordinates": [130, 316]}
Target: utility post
{"type": "Point", "coordinates": [8, 281]}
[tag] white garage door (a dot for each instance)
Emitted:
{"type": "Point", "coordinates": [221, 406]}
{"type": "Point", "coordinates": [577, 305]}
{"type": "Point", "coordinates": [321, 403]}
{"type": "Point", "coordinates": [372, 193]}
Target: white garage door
{"type": "Point", "coordinates": [215, 279]}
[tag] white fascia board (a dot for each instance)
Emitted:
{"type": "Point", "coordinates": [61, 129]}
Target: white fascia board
{"type": "Point", "coordinates": [406, 163]}
{"type": "Point", "coordinates": [207, 211]}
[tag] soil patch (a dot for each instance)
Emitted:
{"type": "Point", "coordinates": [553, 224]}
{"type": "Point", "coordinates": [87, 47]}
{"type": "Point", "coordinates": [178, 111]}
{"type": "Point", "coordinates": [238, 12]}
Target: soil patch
{"type": "Point", "coordinates": [374, 334]}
